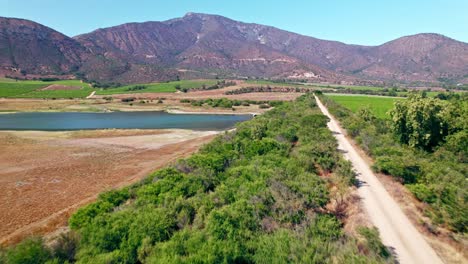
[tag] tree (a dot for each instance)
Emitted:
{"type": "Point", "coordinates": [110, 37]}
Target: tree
{"type": "Point", "coordinates": [420, 122]}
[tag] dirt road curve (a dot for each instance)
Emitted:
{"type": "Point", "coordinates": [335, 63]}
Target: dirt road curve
{"type": "Point", "coordinates": [395, 229]}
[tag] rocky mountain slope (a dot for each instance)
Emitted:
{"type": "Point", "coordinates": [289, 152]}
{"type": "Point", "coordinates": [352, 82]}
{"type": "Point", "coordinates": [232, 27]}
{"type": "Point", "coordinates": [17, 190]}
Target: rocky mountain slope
{"type": "Point", "coordinates": [199, 45]}
{"type": "Point", "coordinates": [33, 48]}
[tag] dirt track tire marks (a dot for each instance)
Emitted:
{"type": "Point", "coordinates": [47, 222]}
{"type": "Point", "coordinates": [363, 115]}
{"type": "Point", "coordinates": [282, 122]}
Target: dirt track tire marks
{"type": "Point", "coordinates": [396, 230]}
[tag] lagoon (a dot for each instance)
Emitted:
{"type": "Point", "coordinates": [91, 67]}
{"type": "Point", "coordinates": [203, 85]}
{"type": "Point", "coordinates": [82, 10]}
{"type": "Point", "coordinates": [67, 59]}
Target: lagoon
{"type": "Point", "coordinates": [61, 121]}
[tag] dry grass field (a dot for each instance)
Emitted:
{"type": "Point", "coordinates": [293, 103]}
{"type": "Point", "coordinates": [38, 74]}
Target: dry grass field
{"type": "Point", "coordinates": [46, 176]}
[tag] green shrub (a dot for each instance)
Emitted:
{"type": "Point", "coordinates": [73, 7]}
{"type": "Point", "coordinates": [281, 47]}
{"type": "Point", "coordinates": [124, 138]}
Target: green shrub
{"type": "Point", "coordinates": [373, 242]}
{"type": "Point", "coordinates": [30, 251]}
{"type": "Point", "coordinates": [422, 192]}
{"type": "Point", "coordinates": [400, 167]}
{"type": "Point", "coordinates": [128, 99]}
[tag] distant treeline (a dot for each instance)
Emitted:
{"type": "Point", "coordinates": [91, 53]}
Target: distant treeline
{"type": "Point", "coordinates": [44, 79]}
{"type": "Point", "coordinates": [268, 89]}
{"type": "Point", "coordinates": [227, 103]}
{"type": "Point", "coordinates": [218, 85]}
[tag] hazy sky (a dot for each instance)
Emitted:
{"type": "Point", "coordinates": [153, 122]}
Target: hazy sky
{"type": "Point", "coordinates": [367, 22]}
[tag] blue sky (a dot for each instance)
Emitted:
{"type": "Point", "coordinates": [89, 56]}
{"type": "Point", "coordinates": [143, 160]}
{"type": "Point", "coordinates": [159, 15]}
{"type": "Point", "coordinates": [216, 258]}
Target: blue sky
{"type": "Point", "coordinates": [366, 22]}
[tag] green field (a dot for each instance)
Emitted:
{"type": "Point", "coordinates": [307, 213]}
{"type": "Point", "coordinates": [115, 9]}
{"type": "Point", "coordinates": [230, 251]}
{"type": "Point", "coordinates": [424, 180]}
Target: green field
{"type": "Point", "coordinates": [379, 105]}
{"type": "Point", "coordinates": [10, 88]}
{"type": "Point", "coordinates": [168, 87]}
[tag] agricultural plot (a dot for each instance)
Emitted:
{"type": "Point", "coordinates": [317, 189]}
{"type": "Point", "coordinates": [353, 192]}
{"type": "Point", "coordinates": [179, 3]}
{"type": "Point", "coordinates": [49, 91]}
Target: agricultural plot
{"type": "Point", "coordinates": [168, 87]}
{"type": "Point", "coordinates": [44, 89]}
{"type": "Point", "coordinates": [378, 105]}
{"type": "Point", "coordinates": [8, 89]}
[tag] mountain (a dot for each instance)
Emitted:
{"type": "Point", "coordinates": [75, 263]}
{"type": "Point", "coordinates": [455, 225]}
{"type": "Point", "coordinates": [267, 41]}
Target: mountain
{"type": "Point", "coordinates": [35, 49]}
{"type": "Point", "coordinates": [200, 45]}
{"type": "Point", "coordinates": [419, 57]}
{"type": "Point", "coordinates": [196, 45]}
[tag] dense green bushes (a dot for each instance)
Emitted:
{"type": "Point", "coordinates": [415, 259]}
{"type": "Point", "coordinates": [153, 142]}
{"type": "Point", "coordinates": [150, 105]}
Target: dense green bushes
{"type": "Point", "coordinates": [258, 194]}
{"type": "Point", "coordinates": [136, 88]}
{"type": "Point", "coordinates": [434, 163]}
{"type": "Point", "coordinates": [34, 251]}
{"type": "Point", "coordinates": [227, 103]}
{"type": "Point", "coordinates": [29, 252]}
{"type": "Point", "coordinates": [421, 122]}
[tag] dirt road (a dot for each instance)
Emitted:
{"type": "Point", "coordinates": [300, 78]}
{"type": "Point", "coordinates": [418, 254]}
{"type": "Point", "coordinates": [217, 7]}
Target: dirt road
{"type": "Point", "coordinates": [90, 95]}
{"type": "Point", "coordinates": [396, 230]}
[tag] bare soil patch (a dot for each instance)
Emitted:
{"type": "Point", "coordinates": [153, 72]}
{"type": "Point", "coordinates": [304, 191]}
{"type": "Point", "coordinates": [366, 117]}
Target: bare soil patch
{"type": "Point", "coordinates": [46, 176]}
{"type": "Point", "coordinates": [55, 87]}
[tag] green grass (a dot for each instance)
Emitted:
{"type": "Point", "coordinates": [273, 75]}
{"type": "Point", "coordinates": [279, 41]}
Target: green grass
{"type": "Point", "coordinates": [168, 87]}
{"type": "Point", "coordinates": [378, 105]}
{"type": "Point", "coordinates": [32, 89]}
{"type": "Point", "coordinates": [16, 89]}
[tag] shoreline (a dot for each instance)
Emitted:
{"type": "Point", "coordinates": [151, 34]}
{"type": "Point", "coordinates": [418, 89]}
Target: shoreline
{"type": "Point", "coordinates": [169, 111]}
{"type": "Point", "coordinates": [175, 111]}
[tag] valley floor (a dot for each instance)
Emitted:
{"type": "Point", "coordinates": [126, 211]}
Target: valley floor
{"type": "Point", "coordinates": [152, 102]}
{"type": "Point", "coordinates": [46, 176]}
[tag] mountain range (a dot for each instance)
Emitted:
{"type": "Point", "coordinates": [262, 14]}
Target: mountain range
{"type": "Point", "coordinates": [201, 46]}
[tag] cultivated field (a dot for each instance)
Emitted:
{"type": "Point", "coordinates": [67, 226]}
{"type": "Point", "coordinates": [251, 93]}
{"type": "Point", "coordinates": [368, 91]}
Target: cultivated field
{"type": "Point", "coordinates": [44, 89]}
{"type": "Point", "coordinates": [166, 87]}
{"type": "Point", "coordinates": [378, 105]}
{"type": "Point", "coordinates": [46, 176]}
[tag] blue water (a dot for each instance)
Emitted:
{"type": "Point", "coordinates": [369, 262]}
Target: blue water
{"type": "Point", "coordinates": [122, 120]}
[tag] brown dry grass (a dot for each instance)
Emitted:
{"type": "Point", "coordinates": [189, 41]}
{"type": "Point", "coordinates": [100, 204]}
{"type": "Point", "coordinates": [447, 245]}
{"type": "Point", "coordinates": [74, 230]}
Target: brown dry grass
{"type": "Point", "coordinates": [44, 178]}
